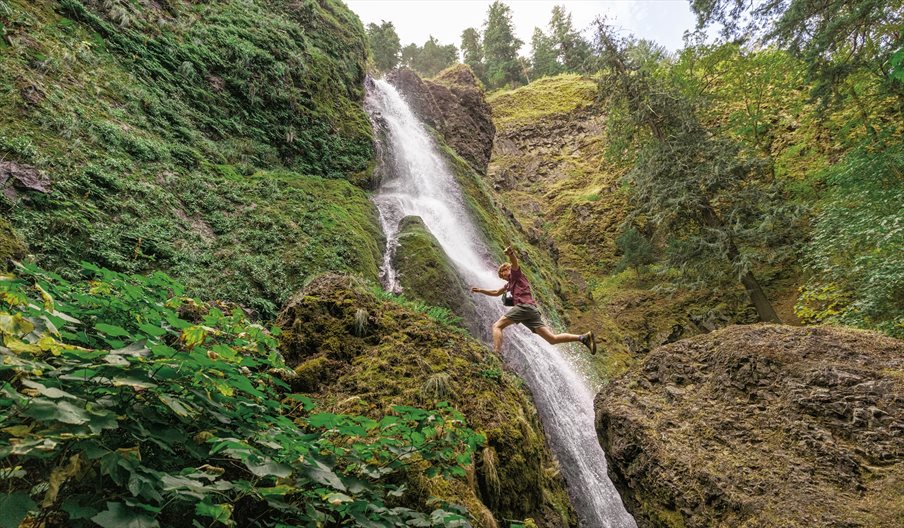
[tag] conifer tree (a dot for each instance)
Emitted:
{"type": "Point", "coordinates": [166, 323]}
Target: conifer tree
{"type": "Point", "coordinates": [719, 209]}
{"type": "Point", "coordinates": [543, 56]}
{"type": "Point", "coordinates": [429, 59]}
{"type": "Point", "coordinates": [836, 38]}
{"type": "Point", "coordinates": [500, 47]}
{"type": "Point", "coordinates": [573, 51]}
{"type": "Point", "coordinates": [384, 45]}
{"type": "Point", "coordinates": [472, 52]}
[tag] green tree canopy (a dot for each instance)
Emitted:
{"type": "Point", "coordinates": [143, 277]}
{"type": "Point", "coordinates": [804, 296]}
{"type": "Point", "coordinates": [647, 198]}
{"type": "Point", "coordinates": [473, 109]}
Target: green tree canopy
{"type": "Point", "coordinates": [500, 47]}
{"type": "Point", "coordinates": [472, 52]}
{"type": "Point", "coordinates": [573, 51]}
{"type": "Point", "coordinates": [718, 208]}
{"type": "Point", "coordinates": [384, 45]}
{"type": "Point", "coordinates": [836, 38]}
{"type": "Point", "coordinates": [429, 59]}
{"type": "Point", "coordinates": [543, 57]}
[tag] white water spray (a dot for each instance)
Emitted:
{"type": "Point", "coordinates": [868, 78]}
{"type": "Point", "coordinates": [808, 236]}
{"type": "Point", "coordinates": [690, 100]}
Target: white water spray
{"type": "Point", "coordinates": [417, 182]}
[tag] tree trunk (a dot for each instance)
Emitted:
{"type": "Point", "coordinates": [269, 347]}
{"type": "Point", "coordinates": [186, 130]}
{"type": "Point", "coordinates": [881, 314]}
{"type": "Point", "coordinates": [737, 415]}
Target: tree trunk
{"type": "Point", "coordinates": [754, 290]}
{"type": "Point", "coordinates": [758, 297]}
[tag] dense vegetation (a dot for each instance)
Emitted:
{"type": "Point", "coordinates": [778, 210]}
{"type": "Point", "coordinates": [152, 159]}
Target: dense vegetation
{"type": "Point", "coordinates": [125, 403]}
{"type": "Point", "coordinates": [802, 185]}
{"type": "Point", "coordinates": [190, 137]}
{"type": "Point", "coordinates": [387, 52]}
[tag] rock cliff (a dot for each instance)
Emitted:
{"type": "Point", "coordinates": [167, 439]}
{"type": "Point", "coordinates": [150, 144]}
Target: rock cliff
{"type": "Point", "coordinates": [761, 426]}
{"type": "Point", "coordinates": [360, 354]}
{"type": "Point", "coordinates": [454, 105]}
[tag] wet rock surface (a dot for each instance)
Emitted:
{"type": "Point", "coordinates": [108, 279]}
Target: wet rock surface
{"type": "Point", "coordinates": [761, 426]}
{"type": "Point", "coordinates": [425, 273]}
{"type": "Point", "coordinates": [356, 353]}
{"type": "Point", "coordinates": [452, 103]}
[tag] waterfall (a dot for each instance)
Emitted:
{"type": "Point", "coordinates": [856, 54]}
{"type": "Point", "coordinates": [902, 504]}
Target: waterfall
{"type": "Point", "coordinates": [416, 182]}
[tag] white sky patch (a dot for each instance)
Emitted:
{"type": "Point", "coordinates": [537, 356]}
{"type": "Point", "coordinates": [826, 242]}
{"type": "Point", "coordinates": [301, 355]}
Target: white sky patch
{"type": "Point", "coordinates": [663, 21]}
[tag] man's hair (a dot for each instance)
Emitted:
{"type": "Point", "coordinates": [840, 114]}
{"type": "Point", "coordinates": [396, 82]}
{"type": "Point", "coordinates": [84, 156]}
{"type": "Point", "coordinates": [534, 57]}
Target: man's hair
{"type": "Point", "coordinates": [504, 266]}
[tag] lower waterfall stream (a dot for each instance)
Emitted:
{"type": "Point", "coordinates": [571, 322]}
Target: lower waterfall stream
{"type": "Point", "coordinates": [417, 182]}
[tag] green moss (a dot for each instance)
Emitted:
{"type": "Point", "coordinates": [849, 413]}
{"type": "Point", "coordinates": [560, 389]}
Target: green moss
{"type": "Point", "coordinates": [310, 374]}
{"type": "Point", "coordinates": [207, 139]}
{"type": "Point", "coordinates": [425, 272]}
{"type": "Point", "coordinates": [545, 97]}
{"type": "Point", "coordinates": [409, 359]}
{"type": "Point", "coordinates": [11, 248]}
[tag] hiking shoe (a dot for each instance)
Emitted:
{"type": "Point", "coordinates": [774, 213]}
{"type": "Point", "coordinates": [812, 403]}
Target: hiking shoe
{"type": "Point", "coordinates": [589, 341]}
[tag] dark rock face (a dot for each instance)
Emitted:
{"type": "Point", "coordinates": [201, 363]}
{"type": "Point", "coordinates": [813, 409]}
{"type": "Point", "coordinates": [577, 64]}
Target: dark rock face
{"type": "Point", "coordinates": [453, 103]}
{"type": "Point", "coordinates": [356, 353]}
{"type": "Point", "coordinates": [15, 177]}
{"type": "Point", "coordinates": [426, 274]}
{"type": "Point", "coordinates": [761, 426]}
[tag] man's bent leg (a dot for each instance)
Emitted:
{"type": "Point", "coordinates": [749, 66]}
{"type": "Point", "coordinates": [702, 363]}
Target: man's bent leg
{"type": "Point", "coordinates": [498, 326]}
{"type": "Point", "coordinates": [555, 339]}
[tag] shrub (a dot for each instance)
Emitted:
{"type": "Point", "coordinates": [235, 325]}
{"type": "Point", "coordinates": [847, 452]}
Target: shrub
{"type": "Point", "coordinates": [123, 403]}
{"type": "Point", "coordinates": [854, 255]}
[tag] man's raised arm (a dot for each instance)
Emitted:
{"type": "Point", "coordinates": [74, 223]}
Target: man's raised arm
{"type": "Point", "coordinates": [513, 259]}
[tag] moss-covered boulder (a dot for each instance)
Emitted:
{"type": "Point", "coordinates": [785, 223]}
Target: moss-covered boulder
{"type": "Point", "coordinates": [362, 353]}
{"type": "Point", "coordinates": [425, 272]}
{"type": "Point", "coordinates": [762, 426]}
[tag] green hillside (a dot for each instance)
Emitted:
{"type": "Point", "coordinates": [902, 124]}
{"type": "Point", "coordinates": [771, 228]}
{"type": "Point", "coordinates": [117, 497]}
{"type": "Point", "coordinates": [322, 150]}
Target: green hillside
{"type": "Point", "coordinates": [219, 141]}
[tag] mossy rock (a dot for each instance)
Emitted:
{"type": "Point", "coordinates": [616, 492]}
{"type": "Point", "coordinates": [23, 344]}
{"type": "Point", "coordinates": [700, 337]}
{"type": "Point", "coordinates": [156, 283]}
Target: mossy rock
{"type": "Point", "coordinates": [11, 248]}
{"type": "Point", "coordinates": [425, 272]}
{"type": "Point", "coordinates": [378, 353]}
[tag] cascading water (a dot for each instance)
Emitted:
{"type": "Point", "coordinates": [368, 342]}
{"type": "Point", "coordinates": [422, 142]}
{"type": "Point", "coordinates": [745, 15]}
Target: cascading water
{"type": "Point", "coordinates": [417, 182]}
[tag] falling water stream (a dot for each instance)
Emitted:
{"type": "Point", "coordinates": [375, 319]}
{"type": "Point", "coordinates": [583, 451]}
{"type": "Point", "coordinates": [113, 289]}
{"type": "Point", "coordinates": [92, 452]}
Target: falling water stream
{"type": "Point", "coordinates": [417, 182]}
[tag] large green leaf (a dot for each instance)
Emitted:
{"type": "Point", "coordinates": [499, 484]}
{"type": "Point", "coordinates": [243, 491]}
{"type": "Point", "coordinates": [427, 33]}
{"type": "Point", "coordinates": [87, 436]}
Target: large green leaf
{"type": "Point", "coordinates": [61, 411]}
{"type": "Point", "coordinates": [14, 507]}
{"type": "Point", "coordinates": [117, 515]}
{"type": "Point", "coordinates": [111, 330]}
{"type": "Point", "coordinates": [320, 472]}
{"type": "Point", "coordinates": [50, 392]}
{"type": "Point", "coordinates": [268, 468]}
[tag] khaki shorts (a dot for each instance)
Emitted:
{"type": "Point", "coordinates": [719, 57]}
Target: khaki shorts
{"type": "Point", "coordinates": [526, 314]}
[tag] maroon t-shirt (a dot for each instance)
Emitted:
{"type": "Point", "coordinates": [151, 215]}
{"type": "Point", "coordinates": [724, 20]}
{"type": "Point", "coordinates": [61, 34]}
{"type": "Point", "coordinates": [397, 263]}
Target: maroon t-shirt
{"type": "Point", "coordinates": [520, 288]}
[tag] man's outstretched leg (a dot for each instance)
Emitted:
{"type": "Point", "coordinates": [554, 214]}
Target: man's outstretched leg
{"type": "Point", "coordinates": [587, 339]}
{"type": "Point", "coordinates": [498, 327]}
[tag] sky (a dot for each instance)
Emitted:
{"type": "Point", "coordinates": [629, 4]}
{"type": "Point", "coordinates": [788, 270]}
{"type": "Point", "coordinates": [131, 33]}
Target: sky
{"type": "Point", "coordinates": [663, 21]}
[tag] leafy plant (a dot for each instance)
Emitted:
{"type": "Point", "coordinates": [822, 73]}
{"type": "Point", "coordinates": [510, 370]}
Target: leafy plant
{"type": "Point", "coordinates": [636, 250]}
{"type": "Point", "coordinates": [439, 314]}
{"type": "Point", "coordinates": [123, 403]}
{"type": "Point", "coordinates": [854, 256]}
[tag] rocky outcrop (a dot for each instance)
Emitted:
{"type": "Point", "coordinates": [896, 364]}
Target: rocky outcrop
{"type": "Point", "coordinates": [15, 177]}
{"type": "Point", "coordinates": [452, 103]}
{"type": "Point", "coordinates": [761, 426]}
{"type": "Point", "coordinates": [359, 354]}
{"type": "Point", "coordinates": [425, 273]}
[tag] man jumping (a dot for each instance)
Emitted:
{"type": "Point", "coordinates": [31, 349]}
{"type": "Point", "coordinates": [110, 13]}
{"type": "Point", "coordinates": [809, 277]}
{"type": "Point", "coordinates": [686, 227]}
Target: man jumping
{"type": "Point", "coordinates": [525, 309]}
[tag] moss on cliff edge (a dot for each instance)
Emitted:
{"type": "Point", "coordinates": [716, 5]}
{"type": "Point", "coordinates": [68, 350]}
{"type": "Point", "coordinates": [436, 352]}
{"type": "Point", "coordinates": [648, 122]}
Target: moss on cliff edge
{"type": "Point", "coordinates": [155, 120]}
